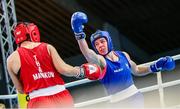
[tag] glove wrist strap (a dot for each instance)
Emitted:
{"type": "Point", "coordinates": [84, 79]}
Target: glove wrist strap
{"type": "Point", "coordinates": [153, 68]}
{"type": "Point", "coordinates": [80, 35]}
{"type": "Point", "coordinates": [80, 74]}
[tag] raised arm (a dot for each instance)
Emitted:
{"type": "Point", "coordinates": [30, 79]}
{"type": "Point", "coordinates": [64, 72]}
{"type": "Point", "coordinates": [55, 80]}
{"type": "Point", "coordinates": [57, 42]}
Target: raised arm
{"type": "Point", "coordinates": [77, 21]}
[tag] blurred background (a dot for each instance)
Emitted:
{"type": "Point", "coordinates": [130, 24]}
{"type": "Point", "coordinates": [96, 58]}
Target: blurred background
{"type": "Point", "coordinates": [146, 29]}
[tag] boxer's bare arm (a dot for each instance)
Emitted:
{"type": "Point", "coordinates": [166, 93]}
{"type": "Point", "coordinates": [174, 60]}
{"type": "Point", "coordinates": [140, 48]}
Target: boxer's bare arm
{"type": "Point", "coordinates": [60, 65]}
{"type": "Point", "coordinates": [13, 66]}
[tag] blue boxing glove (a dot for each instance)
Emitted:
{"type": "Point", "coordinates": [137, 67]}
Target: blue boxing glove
{"type": "Point", "coordinates": [77, 21]}
{"type": "Point", "coordinates": [164, 63]}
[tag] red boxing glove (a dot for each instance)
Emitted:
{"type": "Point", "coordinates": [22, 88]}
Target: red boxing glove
{"type": "Point", "coordinates": [91, 71]}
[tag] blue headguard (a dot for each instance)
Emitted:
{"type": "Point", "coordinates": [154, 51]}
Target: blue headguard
{"type": "Point", "coordinates": [101, 34]}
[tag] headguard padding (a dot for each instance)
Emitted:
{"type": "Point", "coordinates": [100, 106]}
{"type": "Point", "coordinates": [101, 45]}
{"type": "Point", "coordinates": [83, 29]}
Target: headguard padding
{"type": "Point", "coordinates": [101, 34]}
{"type": "Point", "coordinates": [22, 30]}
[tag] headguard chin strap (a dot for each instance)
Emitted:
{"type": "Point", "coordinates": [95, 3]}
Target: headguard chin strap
{"type": "Point", "coordinates": [101, 34]}
{"type": "Point", "coordinates": [22, 30]}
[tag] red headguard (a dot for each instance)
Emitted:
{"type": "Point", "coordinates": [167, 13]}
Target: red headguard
{"type": "Point", "coordinates": [23, 30]}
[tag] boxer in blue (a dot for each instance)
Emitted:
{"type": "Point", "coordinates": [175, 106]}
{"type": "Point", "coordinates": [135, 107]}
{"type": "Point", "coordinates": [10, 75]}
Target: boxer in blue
{"type": "Point", "coordinates": [117, 65]}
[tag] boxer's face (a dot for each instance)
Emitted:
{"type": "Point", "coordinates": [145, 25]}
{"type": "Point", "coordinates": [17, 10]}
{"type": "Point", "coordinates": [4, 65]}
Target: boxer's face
{"type": "Point", "coordinates": [101, 46]}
